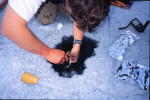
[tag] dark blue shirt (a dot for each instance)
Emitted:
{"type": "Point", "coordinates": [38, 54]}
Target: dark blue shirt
{"type": "Point", "coordinates": [57, 1]}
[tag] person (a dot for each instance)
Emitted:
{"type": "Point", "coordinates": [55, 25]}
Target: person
{"type": "Point", "coordinates": [86, 15]}
{"type": "Point", "coordinates": [2, 3]}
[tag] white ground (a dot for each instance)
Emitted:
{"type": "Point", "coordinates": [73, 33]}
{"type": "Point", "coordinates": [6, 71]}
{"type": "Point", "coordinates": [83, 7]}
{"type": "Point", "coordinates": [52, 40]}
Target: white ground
{"type": "Point", "coordinates": [97, 81]}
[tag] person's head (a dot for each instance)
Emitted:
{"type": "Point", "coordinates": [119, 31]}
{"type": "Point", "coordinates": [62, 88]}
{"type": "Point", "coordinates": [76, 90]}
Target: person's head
{"type": "Point", "coordinates": [88, 13]}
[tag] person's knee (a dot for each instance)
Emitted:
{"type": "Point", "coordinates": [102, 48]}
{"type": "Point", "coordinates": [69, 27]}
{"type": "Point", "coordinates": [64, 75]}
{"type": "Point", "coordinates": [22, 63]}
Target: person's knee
{"type": "Point", "coordinates": [63, 9]}
{"type": "Point", "coordinates": [47, 13]}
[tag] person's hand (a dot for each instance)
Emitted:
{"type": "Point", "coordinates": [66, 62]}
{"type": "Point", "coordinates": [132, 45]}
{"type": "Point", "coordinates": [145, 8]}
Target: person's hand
{"type": "Point", "coordinates": [56, 56]}
{"type": "Point", "coordinates": [73, 56]}
{"type": "Point", "coordinates": [74, 53]}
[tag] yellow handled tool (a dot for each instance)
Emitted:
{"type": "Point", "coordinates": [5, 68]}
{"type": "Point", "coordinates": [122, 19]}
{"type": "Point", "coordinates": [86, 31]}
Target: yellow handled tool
{"type": "Point", "coordinates": [29, 78]}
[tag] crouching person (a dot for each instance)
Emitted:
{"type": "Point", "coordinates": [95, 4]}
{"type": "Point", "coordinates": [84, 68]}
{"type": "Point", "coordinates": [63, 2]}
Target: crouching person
{"type": "Point", "coordinates": [86, 15]}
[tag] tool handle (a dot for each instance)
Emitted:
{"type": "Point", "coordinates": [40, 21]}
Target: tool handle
{"type": "Point", "coordinates": [29, 78]}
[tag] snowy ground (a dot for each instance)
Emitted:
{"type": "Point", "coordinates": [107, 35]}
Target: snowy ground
{"type": "Point", "coordinates": [97, 81]}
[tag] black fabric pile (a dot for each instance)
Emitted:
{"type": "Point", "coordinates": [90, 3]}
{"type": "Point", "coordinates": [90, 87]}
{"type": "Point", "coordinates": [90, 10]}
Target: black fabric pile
{"type": "Point", "coordinates": [86, 51]}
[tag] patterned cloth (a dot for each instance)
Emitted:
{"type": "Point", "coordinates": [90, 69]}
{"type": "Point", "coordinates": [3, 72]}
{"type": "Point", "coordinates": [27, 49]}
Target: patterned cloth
{"type": "Point", "coordinates": [134, 73]}
{"type": "Point", "coordinates": [117, 49]}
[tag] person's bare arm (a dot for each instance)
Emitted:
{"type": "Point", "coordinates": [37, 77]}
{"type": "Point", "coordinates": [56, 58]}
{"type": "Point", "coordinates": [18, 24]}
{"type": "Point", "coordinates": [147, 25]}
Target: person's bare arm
{"type": "Point", "coordinates": [78, 35]}
{"type": "Point", "coordinates": [14, 27]}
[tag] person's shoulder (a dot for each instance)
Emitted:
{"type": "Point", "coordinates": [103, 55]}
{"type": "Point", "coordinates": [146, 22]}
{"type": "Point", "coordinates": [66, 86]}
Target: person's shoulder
{"type": "Point", "coordinates": [25, 8]}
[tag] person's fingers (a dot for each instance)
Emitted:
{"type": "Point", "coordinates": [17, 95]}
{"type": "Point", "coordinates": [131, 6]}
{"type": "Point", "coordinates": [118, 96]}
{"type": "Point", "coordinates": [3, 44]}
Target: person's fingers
{"type": "Point", "coordinates": [66, 57]}
{"type": "Point", "coordinates": [68, 53]}
{"type": "Point", "coordinates": [74, 61]}
{"type": "Point", "coordinates": [72, 58]}
{"type": "Point", "coordinates": [59, 62]}
{"type": "Point", "coordinates": [62, 61]}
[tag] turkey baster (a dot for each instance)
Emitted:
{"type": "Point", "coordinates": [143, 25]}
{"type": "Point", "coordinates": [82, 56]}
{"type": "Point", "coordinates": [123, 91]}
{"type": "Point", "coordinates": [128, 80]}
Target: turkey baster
{"type": "Point", "coordinates": [31, 79]}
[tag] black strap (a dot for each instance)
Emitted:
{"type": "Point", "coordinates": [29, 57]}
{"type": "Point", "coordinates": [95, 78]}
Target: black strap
{"type": "Point", "coordinates": [147, 22]}
{"type": "Point", "coordinates": [144, 27]}
{"type": "Point", "coordinates": [126, 26]}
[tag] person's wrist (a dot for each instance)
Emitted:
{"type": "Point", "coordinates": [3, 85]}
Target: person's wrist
{"type": "Point", "coordinates": [45, 51]}
{"type": "Point", "coordinates": [76, 47]}
{"type": "Point", "coordinates": [77, 41]}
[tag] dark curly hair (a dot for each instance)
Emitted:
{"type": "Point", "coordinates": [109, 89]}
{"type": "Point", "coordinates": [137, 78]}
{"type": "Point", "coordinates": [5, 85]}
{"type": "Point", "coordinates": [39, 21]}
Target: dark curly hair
{"type": "Point", "coordinates": [89, 13]}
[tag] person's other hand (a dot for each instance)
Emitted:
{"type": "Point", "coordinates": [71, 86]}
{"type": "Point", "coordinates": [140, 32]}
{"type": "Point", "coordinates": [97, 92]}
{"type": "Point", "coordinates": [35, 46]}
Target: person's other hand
{"type": "Point", "coordinates": [56, 56]}
{"type": "Point", "coordinates": [74, 53]}
{"type": "Point", "coordinates": [73, 56]}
